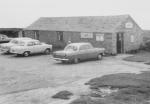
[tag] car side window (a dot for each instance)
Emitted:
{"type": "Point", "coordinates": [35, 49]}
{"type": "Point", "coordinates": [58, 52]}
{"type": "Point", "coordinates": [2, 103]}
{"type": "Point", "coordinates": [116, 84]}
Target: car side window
{"type": "Point", "coordinates": [37, 43]}
{"type": "Point", "coordinates": [89, 46]}
{"type": "Point", "coordinates": [30, 44]}
{"type": "Point", "coordinates": [85, 47]}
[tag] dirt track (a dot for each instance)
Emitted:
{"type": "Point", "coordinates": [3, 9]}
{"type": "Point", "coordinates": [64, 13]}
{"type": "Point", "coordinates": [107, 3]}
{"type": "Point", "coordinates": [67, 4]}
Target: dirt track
{"type": "Point", "coordinates": [34, 79]}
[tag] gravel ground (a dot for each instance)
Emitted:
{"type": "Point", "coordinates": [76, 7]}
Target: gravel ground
{"type": "Point", "coordinates": [34, 79]}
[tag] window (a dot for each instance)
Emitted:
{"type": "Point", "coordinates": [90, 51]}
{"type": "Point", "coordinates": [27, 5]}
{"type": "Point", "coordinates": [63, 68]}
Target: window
{"type": "Point", "coordinates": [21, 43]}
{"type": "Point", "coordinates": [30, 44]}
{"type": "Point", "coordinates": [60, 35]}
{"type": "Point", "coordinates": [85, 47]}
{"type": "Point", "coordinates": [99, 37]}
{"type": "Point", "coordinates": [71, 48]}
{"type": "Point", "coordinates": [14, 41]}
{"type": "Point", "coordinates": [37, 43]}
{"type": "Point", "coordinates": [86, 35]}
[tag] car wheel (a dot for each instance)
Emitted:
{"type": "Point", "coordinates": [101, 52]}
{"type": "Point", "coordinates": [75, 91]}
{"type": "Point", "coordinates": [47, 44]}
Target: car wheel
{"type": "Point", "coordinates": [76, 60]}
{"type": "Point", "coordinates": [26, 54]}
{"type": "Point", "coordinates": [8, 52]}
{"type": "Point", "coordinates": [47, 51]}
{"type": "Point", "coordinates": [99, 57]}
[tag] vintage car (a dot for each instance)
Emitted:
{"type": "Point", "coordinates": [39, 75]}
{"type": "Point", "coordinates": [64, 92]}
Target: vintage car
{"type": "Point", "coordinates": [28, 47]}
{"type": "Point", "coordinates": [4, 38]}
{"type": "Point", "coordinates": [5, 47]}
{"type": "Point", "coordinates": [76, 52]}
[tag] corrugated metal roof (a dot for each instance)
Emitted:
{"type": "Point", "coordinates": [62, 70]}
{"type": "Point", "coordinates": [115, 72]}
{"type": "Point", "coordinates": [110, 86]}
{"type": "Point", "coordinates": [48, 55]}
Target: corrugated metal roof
{"type": "Point", "coordinates": [81, 24]}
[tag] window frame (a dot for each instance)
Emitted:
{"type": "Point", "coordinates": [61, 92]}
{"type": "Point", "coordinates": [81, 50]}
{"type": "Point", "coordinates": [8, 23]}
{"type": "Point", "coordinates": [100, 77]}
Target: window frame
{"type": "Point", "coordinates": [33, 44]}
{"type": "Point", "coordinates": [100, 37]}
{"type": "Point", "coordinates": [60, 35]}
{"type": "Point", "coordinates": [89, 47]}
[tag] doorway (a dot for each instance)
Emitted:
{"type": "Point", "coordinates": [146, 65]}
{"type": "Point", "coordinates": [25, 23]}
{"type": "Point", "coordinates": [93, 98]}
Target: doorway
{"type": "Point", "coordinates": [120, 43]}
{"type": "Point", "coordinates": [60, 35]}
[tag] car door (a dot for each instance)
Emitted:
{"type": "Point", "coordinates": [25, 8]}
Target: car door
{"type": "Point", "coordinates": [92, 52]}
{"type": "Point", "coordinates": [30, 47]}
{"type": "Point", "coordinates": [83, 52]}
{"type": "Point", "coordinates": [38, 47]}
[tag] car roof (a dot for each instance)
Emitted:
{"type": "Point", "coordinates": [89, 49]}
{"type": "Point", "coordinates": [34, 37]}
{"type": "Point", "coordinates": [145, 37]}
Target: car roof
{"type": "Point", "coordinates": [79, 44]}
{"type": "Point", "coordinates": [23, 38]}
{"type": "Point", "coordinates": [30, 40]}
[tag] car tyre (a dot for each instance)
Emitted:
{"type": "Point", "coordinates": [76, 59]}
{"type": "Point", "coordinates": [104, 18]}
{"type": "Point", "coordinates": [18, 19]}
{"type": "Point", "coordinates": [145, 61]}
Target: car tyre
{"type": "Point", "coordinates": [47, 51]}
{"type": "Point", "coordinates": [26, 54]}
{"type": "Point", "coordinates": [99, 57]}
{"type": "Point", "coordinates": [76, 60]}
{"type": "Point", "coordinates": [8, 52]}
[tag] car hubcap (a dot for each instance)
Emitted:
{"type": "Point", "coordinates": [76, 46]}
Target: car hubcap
{"type": "Point", "coordinates": [99, 57]}
{"type": "Point", "coordinates": [26, 54]}
{"type": "Point", "coordinates": [47, 51]}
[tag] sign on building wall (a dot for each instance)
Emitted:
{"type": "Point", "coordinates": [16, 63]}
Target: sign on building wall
{"type": "Point", "coordinates": [132, 38]}
{"type": "Point", "coordinates": [129, 25]}
{"type": "Point", "coordinates": [86, 35]}
{"type": "Point", "coordinates": [99, 37]}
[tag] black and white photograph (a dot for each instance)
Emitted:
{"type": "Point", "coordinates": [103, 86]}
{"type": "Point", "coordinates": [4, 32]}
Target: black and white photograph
{"type": "Point", "coordinates": [75, 52]}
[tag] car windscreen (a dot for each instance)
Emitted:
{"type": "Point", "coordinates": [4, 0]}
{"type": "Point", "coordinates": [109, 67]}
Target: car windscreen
{"type": "Point", "coordinates": [14, 41]}
{"type": "Point", "coordinates": [71, 48]}
{"type": "Point", "coordinates": [21, 43]}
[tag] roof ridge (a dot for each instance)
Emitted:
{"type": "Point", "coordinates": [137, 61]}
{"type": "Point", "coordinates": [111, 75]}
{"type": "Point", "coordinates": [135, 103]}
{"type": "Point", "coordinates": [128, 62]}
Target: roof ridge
{"type": "Point", "coordinates": [123, 15]}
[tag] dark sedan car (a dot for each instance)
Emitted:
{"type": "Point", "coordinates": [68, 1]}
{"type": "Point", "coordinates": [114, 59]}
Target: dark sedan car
{"type": "Point", "coordinates": [76, 52]}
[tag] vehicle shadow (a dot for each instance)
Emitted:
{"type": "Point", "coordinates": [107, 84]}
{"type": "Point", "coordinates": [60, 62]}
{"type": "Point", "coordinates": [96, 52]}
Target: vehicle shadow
{"type": "Point", "coordinates": [6, 53]}
{"type": "Point", "coordinates": [81, 62]}
{"type": "Point", "coordinates": [32, 55]}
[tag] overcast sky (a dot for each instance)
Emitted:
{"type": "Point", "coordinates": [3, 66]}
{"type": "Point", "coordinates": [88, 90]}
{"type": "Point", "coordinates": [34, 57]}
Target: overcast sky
{"type": "Point", "coordinates": [21, 13]}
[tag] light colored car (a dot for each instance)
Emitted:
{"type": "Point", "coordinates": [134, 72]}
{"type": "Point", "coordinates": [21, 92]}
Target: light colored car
{"type": "Point", "coordinates": [28, 47]}
{"type": "Point", "coordinates": [5, 47]}
{"type": "Point", "coordinates": [4, 38]}
{"type": "Point", "coordinates": [76, 52]}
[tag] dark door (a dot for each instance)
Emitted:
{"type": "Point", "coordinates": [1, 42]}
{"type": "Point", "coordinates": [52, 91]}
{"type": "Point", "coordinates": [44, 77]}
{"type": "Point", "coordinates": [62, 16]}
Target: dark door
{"type": "Point", "coordinates": [60, 35]}
{"type": "Point", "coordinates": [37, 35]}
{"type": "Point", "coordinates": [120, 43]}
{"type": "Point", "coordinates": [60, 39]}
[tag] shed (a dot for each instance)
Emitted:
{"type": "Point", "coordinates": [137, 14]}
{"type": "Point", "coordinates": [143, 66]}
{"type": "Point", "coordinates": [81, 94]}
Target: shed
{"type": "Point", "coordinates": [11, 32]}
{"type": "Point", "coordinates": [118, 34]}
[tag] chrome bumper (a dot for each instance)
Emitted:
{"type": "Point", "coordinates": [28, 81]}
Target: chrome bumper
{"type": "Point", "coordinates": [61, 59]}
{"type": "Point", "coordinates": [13, 52]}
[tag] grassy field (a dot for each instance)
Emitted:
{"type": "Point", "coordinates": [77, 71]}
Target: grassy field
{"type": "Point", "coordinates": [132, 89]}
{"type": "Point", "coordinates": [142, 56]}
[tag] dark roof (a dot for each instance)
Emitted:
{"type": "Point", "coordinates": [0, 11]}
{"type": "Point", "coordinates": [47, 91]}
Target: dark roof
{"type": "Point", "coordinates": [146, 32]}
{"type": "Point", "coordinates": [146, 35]}
{"type": "Point", "coordinates": [80, 24]}
{"type": "Point", "coordinates": [11, 29]}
